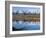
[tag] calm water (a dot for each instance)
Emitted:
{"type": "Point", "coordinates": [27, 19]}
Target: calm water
{"type": "Point", "coordinates": [26, 25]}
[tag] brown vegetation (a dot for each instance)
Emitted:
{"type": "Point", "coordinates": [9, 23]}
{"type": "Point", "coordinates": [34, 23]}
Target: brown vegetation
{"type": "Point", "coordinates": [27, 17]}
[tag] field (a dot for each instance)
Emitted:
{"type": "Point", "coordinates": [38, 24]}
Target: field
{"type": "Point", "coordinates": [26, 17]}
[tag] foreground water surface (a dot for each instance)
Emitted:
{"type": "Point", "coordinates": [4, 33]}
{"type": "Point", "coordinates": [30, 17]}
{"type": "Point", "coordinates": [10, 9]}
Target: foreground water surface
{"type": "Point", "coordinates": [21, 25]}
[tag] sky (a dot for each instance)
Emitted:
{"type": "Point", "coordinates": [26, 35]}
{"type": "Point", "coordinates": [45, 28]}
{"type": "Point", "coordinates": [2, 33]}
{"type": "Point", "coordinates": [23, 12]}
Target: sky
{"type": "Point", "coordinates": [26, 9]}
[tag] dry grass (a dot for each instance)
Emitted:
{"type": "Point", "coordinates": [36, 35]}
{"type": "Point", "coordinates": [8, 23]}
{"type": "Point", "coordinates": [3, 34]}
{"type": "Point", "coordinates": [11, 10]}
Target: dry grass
{"type": "Point", "coordinates": [27, 17]}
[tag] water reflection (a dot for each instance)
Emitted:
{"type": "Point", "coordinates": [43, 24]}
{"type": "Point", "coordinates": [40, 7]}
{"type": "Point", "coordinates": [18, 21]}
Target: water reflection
{"type": "Point", "coordinates": [26, 25]}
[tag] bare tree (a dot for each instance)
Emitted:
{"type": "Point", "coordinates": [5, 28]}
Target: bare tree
{"type": "Point", "coordinates": [17, 11]}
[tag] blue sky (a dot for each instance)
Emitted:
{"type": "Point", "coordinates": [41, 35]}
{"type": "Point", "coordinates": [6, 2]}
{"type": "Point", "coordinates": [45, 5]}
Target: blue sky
{"type": "Point", "coordinates": [26, 9]}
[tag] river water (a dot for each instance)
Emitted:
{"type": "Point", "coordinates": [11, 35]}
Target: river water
{"type": "Point", "coordinates": [26, 25]}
